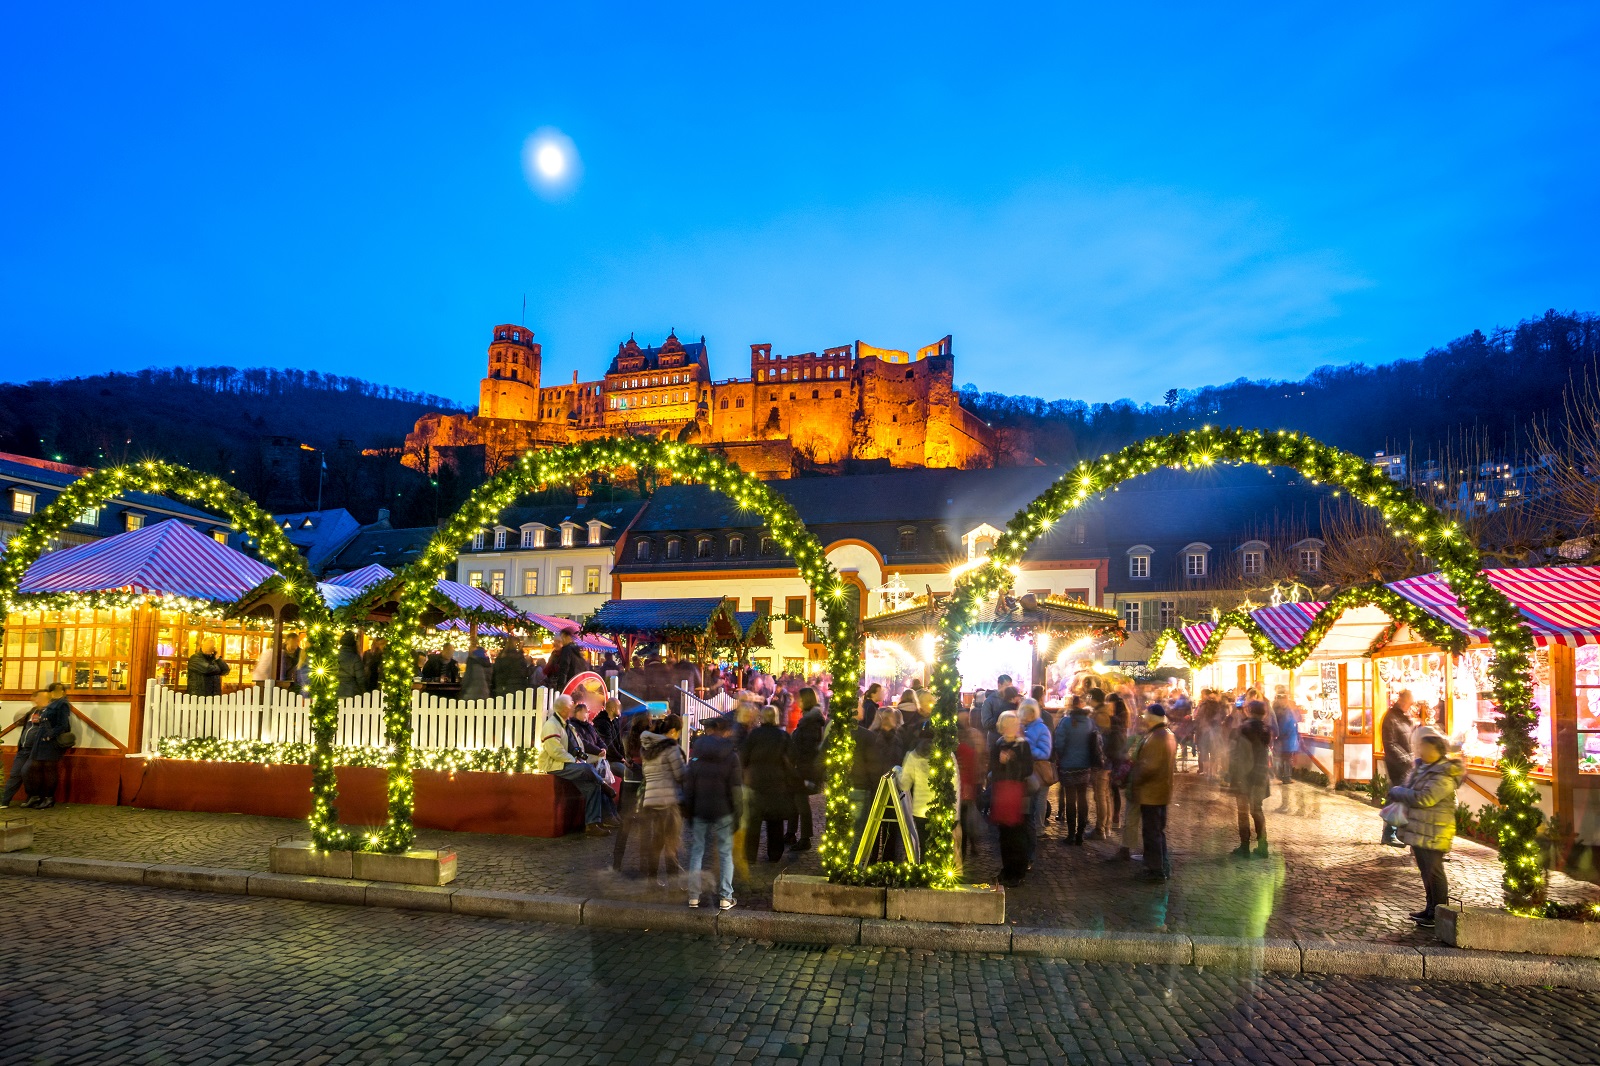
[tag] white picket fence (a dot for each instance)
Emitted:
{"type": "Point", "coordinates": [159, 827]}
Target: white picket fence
{"type": "Point", "coordinates": [276, 715]}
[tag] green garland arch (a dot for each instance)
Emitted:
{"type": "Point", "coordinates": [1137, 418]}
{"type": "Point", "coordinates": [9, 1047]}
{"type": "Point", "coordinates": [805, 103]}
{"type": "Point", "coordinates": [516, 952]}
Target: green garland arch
{"type": "Point", "coordinates": [1396, 606]}
{"type": "Point", "coordinates": [294, 578]}
{"type": "Point", "coordinates": [566, 465]}
{"type": "Point", "coordinates": [1523, 874]}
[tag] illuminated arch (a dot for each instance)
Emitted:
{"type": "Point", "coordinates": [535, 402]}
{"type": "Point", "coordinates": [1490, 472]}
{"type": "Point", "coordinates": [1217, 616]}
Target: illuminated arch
{"type": "Point", "coordinates": [1406, 516]}
{"type": "Point", "coordinates": [572, 464]}
{"type": "Point", "coordinates": [294, 579]}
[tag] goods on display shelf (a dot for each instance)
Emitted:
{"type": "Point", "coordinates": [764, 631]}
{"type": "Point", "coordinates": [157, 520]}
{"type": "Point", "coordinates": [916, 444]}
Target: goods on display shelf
{"type": "Point", "coordinates": [1587, 660]}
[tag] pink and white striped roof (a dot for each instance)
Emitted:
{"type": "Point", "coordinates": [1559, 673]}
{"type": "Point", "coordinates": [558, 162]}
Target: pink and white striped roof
{"type": "Point", "coordinates": [1287, 624]}
{"type": "Point", "coordinates": [1560, 604]}
{"type": "Point", "coordinates": [1196, 636]}
{"type": "Point", "coordinates": [167, 558]}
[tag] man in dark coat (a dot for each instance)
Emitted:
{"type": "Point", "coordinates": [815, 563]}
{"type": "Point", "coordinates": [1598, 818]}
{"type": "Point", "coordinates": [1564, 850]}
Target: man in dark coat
{"type": "Point", "coordinates": [768, 774]}
{"type": "Point", "coordinates": [1397, 752]}
{"type": "Point", "coordinates": [566, 662]}
{"type": "Point", "coordinates": [711, 801]}
{"type": "Point", "coordinates": [38, 755]}
{"type": "Point", "coordinates": [806, 752]}
{"type": "Point", "coordinates": [206, 669]}
{"type": "Point", "coordinates": [352, 671]}
{"type": "Point", "coordinates": [372, 663]}
{"type": "Point", "coordinates": [511, 673]}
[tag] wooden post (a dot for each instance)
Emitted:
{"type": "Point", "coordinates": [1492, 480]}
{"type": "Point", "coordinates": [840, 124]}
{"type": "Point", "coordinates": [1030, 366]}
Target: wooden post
{"type": "Point", "coordinates": [141, 667]}
{"type": "Point", "coordinates": [1564, 741]}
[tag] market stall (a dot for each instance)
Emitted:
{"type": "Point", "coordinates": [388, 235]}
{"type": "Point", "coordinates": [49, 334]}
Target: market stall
{"type": "Point", "coordinates": [690, 632]}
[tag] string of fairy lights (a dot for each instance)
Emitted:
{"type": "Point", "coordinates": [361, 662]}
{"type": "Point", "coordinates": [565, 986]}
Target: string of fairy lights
{"type": "Point", "coordinates": [1442, 539]}
{"type": "Point", "coordinates": [573, 465]}
{"type": "Point", "coordinates": [293, 579]}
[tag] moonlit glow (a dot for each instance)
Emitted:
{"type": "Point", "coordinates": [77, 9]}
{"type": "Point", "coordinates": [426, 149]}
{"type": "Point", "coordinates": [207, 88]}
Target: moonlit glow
{"type": "Point", "coordinates": [550, 163]}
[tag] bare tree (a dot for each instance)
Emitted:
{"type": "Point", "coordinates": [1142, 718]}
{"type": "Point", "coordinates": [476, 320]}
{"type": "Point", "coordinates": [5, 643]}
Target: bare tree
{"type": "Point", "coordinates": [1570, 504]}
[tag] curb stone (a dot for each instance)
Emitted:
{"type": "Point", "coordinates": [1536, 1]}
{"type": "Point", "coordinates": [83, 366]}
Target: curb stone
{"type": "Point", "coordinates": [1321, 957]}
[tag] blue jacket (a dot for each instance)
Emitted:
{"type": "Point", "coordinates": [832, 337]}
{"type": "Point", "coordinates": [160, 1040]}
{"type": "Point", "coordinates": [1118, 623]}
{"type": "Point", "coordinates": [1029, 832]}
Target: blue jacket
{"type": "Point", "coordinates": [1038, 736]}
{"type": "Point", "coordinates": [1078, 743]}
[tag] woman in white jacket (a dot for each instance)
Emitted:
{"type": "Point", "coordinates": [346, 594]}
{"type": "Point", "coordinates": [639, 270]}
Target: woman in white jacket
{"type": "Point", "coordinates": [915, 771]}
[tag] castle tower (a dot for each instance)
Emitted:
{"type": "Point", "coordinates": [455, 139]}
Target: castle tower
{"type": "Point", "coordinates": [511, 389]}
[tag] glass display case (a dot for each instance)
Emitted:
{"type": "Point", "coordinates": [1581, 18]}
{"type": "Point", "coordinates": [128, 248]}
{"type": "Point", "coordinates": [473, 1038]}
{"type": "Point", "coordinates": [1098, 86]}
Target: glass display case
{"type": "Point", "coordinates": [1476, 722]}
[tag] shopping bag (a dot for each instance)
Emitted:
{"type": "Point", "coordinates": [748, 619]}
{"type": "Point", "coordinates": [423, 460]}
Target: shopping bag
{"type": "Point", "coordinates": [1008, 803]}
{"type": "Point", "coordinates": [1394, 815]}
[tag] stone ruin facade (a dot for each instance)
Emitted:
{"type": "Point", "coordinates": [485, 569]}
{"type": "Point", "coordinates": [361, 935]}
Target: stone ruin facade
{"type": "Point", "coordinates": [811, 411]}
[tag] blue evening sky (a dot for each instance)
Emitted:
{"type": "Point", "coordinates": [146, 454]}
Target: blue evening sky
{"type": "Point", "coordinates": [1096, 203]}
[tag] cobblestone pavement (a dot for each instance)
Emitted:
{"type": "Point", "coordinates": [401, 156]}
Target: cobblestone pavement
{"type": "Point", "coordinates": [108, 974]}
{"type": "Point", "coordinates": [1328, 876]}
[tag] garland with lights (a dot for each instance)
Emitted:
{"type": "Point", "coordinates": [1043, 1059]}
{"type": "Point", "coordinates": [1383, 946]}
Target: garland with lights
{"type": "Point", "coordinates": [572, 464]}
{"type": "Point", "coordinates": [293, 578]}
{"type": "Point", "coordinates": [1487, 609]}
{"type": "Point", "coordinates": [118, 600]}
{"type": "Point", "coordinates": [295, 753]}
{"type": "Point", "coordinates": [1397, 607]}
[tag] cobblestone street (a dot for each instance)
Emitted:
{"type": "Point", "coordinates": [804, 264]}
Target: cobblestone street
{"type": "Point", "coordinates": [1328, 876]}
{"type": "Point", "coordinates": [110, 974]}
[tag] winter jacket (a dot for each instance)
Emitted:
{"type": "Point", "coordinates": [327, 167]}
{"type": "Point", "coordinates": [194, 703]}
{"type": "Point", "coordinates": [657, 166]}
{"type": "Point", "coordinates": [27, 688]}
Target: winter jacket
{"type": "Point", "coordinates": [967, 771]}
{"type": "Point", "coordinates": [663, 771]}
{"type": "Point", "coordinates": [1017, 768]}
{"type": "Point", "coordinates": [877, 752]}
{"type": "Point", "coordinates": [37, 740]}
{"type": "Point", "coordinates": [1429, 795]}
{"type": "Point", "coordinates": [1397, 745]}
{"type": "Point", "coordinates": [711, 780]}
{"type": "Point", "coordinates": [805, 749]}
{"type": "Point", "coordinates": [1078, 744]}
{"type": "Point", "coordinates": [567, 663]}
{"type": "Point", "coordinates": [475, 683]}
{"type": "Point", "coordinates": [510, 673]}
{"type": "Point", "coordinates": [352, 672]}
{"type": "Point", "coordinates": [1249, 765]}
{"type": "Point", "coordinates": [205, 674]}
{"type": "Point", "coordinates": [915, 783]}
{"type": "Point", "coordinates": [588, 736]}
{"type": "Point", "coordinates": [1152, 772]}
{"type": "Point", "coordinates": [559, 745]}
{"type": "Point", "coordinates": [372, 668]}
{"type": "Point", "coordinates": [767, 771]}
{"type": "Point", "coordinates": [1037, 734]}
{"type": "Point", "coordinates": [869, 711]}
{"type": "Point", "coordinates": [1288, 729]}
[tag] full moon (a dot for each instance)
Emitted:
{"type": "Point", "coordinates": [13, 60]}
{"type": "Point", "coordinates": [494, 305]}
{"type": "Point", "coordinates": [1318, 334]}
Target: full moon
{"type": "Point", "coordinates": [551, 163]}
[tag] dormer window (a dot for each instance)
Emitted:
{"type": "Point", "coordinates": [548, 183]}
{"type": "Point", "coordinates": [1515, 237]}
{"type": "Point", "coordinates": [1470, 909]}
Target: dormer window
{"type": "Point", "coordinates": [596, 532]}
{"type": "Point", "coordinates": [768, 546]}
{"type": "Point", "coordinates": [568, 534]}
{"type": "Point", "coordinates": [478, 539]}
{"type": "Point", "coordinates": [528, 536]}
{"type": "Point", "coordinates": [1194, 563]}
{"type": "Point", "coordinates": [1308, 553]}
{"type": "Point", "coordinates": [702, 548]}
{"type": "Point", "coordinates": [500, 538]}
{"type": "Point", "coordinates": [735, 545]}
{"type": "Point", "coordinates": [1250, 562]}
{"type": "Point", "coordinates": [1139, 562]}
{"type": "Point", "coordinates": [23, 502]}
{"type": "Point", "coordinates": [641, 551]}
{"type": "Point", "coordinates": [674, 548]}
{"type": "Point", "coordinates": [908, 538]}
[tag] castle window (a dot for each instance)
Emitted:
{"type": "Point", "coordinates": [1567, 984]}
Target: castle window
{"type": "Point", "coordinates": [772, 396]}
{"type": "Point", "coordinates": [815, 394]}
{"type": "Point", "coordinates": [739, 402]}
{"type": "Point", "coordinates": [641, 551]}
{"type": "Point", "coordinates": [910, 374]}
{"type": "Point", "coordinates": [735, 545]}
{"type": "Point", "coordinates": [894, 418]}
{"type": "Point", "coordinates": [761, 375]}
{"type": "Point", "coordinates": [837, 393]}
{"type": "Point", "coordinates": [908, 539]}
{"type": "Point", "coordinates": [702, 548]}
{"type": "Point", "coordinates": [724, 405]}
{"type": "Point", "coordinates": [791, 396]}
{"type": "Point", "coordinates": [674, 548]}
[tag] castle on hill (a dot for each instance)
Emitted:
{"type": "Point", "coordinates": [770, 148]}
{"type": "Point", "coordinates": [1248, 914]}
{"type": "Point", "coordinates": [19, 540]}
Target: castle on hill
{"type": "Point", "coordinates": [813, 410]}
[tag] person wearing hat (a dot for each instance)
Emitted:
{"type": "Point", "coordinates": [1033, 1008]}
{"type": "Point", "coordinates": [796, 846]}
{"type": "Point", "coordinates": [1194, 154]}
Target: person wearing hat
{"type": "Point", "coordinates": [1151, 786]}
{"type": "Point", "coordinates": [1429, 798]}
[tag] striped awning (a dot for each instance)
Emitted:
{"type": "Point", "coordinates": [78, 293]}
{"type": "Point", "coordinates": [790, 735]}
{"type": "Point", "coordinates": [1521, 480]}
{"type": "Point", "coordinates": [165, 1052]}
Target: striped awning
{"type": "Point", "coordinates": [168, 558]}
{"type": "Point", "coordinates": [365, 578]}
{"type": "Point", "coordinates": [1287, 624]}
{"type": "Point", "coordinates": [1197, 635]}
{"type": "Point", "coordinates": [1560, 605]}
{"type": "Point", "coordinates": [456, 625]}
{"type": "Point", "coordinates": [586, 641]}
{"type": "Point", "coordinates": [472, 598]}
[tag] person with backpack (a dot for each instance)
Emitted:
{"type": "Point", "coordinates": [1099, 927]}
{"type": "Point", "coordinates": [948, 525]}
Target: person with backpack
{"type": "Point", "coordinates": [1079, 753]}
{"type": "Point", "coordinates": [711, 803]}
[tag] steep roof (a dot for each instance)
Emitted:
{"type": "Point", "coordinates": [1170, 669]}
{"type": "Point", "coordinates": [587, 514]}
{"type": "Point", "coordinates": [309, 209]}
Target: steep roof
{"type": "Point", "coordinates": [393, 548]}
{"type": "Point", "coordinates": [167, 558]}
{"type": "Point", "coordinates": [615, 515]}
{"type": "Point", "coordinates": [693, 352]}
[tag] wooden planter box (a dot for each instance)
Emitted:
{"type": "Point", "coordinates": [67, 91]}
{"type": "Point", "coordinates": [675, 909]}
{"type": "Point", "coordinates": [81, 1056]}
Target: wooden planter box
{"type": "Point", "coordinates": [1491, 929]}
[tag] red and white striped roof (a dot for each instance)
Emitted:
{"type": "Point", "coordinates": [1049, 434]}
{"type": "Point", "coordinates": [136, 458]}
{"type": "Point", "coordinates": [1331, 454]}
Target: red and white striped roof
{"type": "Point", "coordinates": [1196, 636]}
{"type": "Point", "coordinates": [168, 558]}
{"type": "Point", "coordinates": [1286, 625]}
{"type": "Point", "coordinates": [1560, 605]}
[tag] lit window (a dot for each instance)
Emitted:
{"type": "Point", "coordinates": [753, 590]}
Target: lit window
{"type": "Point", "coordinates": [1252, 564]}
{"type": "Point", "coordinates": [497, 583]}
{"type": "Point", "coordinates": [220, 536]}
{"type": "Point", "coordinates": [1138, 566]}
{"type": "Point", "coordinates": [475, 578]}
{"type": "Point", "coordinates": [131, 521]}
{"type": "Point", "coordinates": [566, 536]}
{"type": "Point", "coordinates": [591, 579]}
{"type": "Point", "coordinates": [89, 517]}
{"type": "Point", "coordinates": [674, 548]}
{"type": "Point", "coordinates": [1130, 616]}
{"type": "Point", "coordinates": [1310, 560]}
{"type": "Point", "coordinates": [641, 551]}
{"type": "Point", "coordinates": [1194, 564]}
{"type": "Point", "coordinates": [564, 581]}
{"type": "Point", "coordinates": [23, 502]}
{"type": "Point", "coordinates": [736, 545]}
{"type": "Point", "coordinates": [595, 532]}
{"type": "Point", "coordinates": [530, 582]}
{"type": "Point", "coordinates": [1169, 613]}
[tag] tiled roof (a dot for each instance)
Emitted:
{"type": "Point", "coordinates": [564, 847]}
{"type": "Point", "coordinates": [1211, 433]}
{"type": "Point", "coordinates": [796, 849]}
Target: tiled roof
{"type": "Point", "coordinates": [56, 476]}
{"type": "Point", "coordinates": [392, 548]}
{"type": "Point", "coordinates": [653, 616]}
